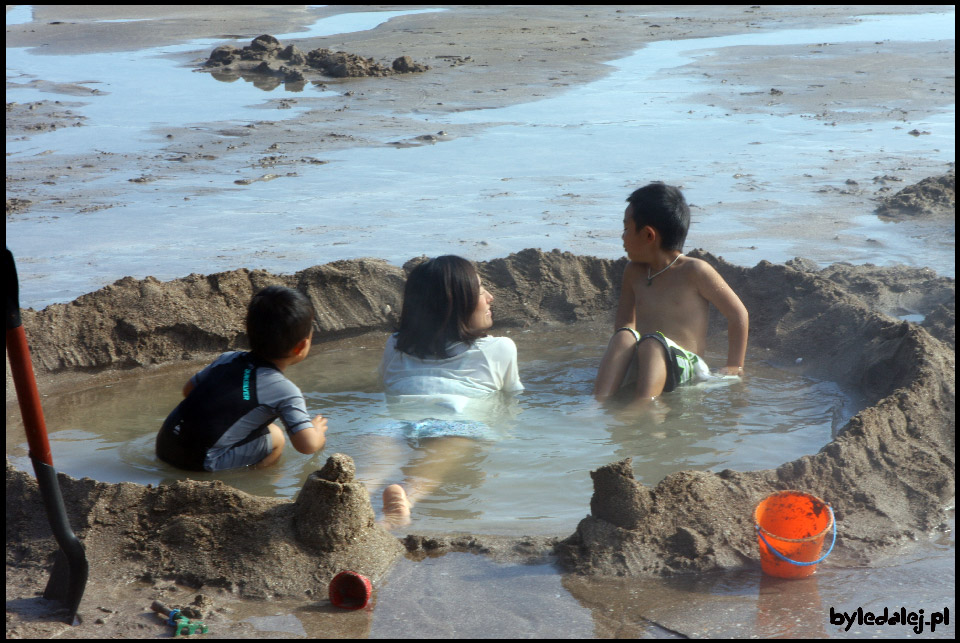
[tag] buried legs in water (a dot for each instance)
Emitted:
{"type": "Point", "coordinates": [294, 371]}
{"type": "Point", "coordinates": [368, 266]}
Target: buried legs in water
{"type": "Point", "coordinates": [436, 459]}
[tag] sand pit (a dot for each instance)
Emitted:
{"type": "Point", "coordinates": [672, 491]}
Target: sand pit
{"type": "Point", "coordinates": [888, 474]}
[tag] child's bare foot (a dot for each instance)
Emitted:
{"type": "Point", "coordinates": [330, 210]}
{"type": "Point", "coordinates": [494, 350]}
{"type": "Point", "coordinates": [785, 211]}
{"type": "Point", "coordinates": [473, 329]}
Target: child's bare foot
{"type": "Point", "coordinates": [396, 507]}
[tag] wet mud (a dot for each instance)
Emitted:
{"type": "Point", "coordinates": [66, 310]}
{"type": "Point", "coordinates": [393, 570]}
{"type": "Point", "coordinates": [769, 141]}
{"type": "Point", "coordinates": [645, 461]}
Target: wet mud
{"type": "Point", "coordinates": [42, 116]}
{"type": "Point", "coordinates": [932, 197]}
{"type": "Point", "coordinates": [888, 474]}
{"type": "Point", "coordinates": [267, 56]}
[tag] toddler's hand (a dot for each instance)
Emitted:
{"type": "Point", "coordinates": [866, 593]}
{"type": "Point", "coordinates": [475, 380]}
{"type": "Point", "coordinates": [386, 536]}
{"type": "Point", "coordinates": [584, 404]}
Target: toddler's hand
{"type": "Point", "coordinates": [320, 424]}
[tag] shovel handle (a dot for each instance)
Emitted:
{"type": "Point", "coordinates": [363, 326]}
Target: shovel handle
{"type": "Point", "coordinates": [27, 394]}
{"type": "Point", "coordinates": [11, 287]}
{"type": "Point", "coordinates": [70, 571]}
{"type": "Point", "coordinates": [22, 368]}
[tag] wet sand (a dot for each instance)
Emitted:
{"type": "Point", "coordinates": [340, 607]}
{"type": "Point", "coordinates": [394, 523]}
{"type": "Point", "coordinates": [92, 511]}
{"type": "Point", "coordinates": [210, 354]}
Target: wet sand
{"type": "Point", "coordinates": [480, 58]}
{"type": "Point", "coordinates": [517, 54]}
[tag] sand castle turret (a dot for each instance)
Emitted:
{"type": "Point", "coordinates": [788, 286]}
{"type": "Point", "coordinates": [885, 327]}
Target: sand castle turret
{"type": "Point", "coordinates": [332, 511]}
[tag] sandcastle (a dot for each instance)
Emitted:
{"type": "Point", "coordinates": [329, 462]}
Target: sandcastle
{"type": "Point", "coordinates": [208, 534]}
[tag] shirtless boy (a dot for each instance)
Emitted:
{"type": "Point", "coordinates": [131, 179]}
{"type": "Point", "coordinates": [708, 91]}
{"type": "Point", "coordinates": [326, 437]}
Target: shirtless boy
{"type": "Point", "coordinates": [661, 323]}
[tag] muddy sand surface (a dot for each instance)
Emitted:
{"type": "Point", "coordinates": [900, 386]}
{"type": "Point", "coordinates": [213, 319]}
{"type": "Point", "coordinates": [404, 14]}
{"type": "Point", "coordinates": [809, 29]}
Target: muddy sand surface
{"type": "Point", "coordinates": [889, 474]}
{"type": "Point", "coordinates": [479, 57]}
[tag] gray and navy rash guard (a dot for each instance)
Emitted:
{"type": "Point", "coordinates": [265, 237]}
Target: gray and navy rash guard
{"type": "Point", "coordinates": [233, 401]}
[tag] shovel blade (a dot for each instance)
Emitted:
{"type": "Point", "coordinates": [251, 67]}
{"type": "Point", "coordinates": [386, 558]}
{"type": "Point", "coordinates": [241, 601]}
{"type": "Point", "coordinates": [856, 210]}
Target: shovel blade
{"type": "Point", "coordinates": [66, 585]}
{"type": "Point", "coordinates": [70, 568]}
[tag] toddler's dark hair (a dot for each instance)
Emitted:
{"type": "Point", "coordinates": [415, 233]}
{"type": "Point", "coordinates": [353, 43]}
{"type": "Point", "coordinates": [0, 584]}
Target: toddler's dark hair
{"type": "Point", "coordinates": [438, 300]}
{"type": "Point", "coordinates": [663, 208]}
{"type": "Point", "coordinates": [278, 319]}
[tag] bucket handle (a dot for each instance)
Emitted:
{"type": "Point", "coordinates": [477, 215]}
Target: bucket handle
{"type": "Point", "coordinates": [795, 562]}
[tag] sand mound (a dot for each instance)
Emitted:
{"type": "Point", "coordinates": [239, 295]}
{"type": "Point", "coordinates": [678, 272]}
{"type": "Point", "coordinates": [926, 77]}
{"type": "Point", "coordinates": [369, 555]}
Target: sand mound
{"type": "Point", "coordinates": [888, 473]}
{"type": "Point", "coordinates": [934, 196]}
{"type": "Point", "coordinates": [265, 55]}
{"type": "Point", "coordinates": [207, 534]}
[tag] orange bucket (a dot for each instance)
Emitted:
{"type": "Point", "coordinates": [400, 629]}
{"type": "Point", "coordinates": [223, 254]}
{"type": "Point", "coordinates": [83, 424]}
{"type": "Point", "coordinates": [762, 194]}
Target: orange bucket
{"type": "Point", "coordinates": [790, 530]}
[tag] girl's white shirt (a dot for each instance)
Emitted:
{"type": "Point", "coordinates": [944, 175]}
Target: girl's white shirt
{"type": "Point", "coordinates": [477, 370]}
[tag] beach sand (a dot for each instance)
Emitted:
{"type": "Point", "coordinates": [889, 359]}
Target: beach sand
{"type": "Point", "coordinates": [480, 57]}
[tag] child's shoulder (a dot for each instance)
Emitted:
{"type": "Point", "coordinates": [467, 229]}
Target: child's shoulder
{"type": "Point", "coordinates": [223, 358]}
{"type": "Point", "coordinates": [695, 266]}
{"type": "Point", "coordinates": [704, 276]}
{"type": "Point", "coordinates": [496, 343]}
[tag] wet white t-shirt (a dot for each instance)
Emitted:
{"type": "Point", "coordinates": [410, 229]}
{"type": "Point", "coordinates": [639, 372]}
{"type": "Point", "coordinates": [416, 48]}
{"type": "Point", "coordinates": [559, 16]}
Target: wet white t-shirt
{"type": "Point", "coordinates": [486, 366]}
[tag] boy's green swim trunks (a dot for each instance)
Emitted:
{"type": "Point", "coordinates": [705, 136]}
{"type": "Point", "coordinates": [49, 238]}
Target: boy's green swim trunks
{"type": "Point", "coordinates": [682, 365]}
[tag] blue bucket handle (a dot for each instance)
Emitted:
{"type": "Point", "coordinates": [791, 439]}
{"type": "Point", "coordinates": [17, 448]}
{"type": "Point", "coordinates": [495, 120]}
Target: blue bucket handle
{"type": "Point", "coordinates": [794, 562]}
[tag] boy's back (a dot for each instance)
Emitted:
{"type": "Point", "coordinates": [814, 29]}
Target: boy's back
{"type": "Point", "coordinates": [226, 418]}
{"type": "Point", "coordinates": [232, 404]}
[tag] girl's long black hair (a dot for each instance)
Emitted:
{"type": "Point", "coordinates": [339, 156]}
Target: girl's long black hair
{"type": "Point", "coordinates": [438, 300]}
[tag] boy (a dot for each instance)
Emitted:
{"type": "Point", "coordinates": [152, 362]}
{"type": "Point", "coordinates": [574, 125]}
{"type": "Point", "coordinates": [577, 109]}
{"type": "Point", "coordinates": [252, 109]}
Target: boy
{"type": "Point", "coordinates": [225, 419]}
{"type": "Point", "coordinates": [663, 311]}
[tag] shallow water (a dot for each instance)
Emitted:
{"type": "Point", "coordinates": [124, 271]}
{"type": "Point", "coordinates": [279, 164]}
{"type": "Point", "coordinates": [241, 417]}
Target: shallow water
{"type": "Point", "coordinates": [426, 599]}
{"type": "Point", "coordinates": [123, 118]}
{"type": "Point", "coordinates": [533, 478]}
{"type": "Point", "coordinates": [548, 174]}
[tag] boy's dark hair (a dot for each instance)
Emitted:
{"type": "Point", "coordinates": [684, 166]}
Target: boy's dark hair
{"type": "Point", "coordinates": [278, 319]}
{"type": "Point", "coordinates": [440, 296]}
{"type": "Point", "coordinates": [663, 208]}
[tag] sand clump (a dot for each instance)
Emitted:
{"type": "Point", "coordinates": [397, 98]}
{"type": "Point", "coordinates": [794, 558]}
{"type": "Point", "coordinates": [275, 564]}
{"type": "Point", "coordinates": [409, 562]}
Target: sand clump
{"type": "Point", "coordinates": [888, 474]}
{"type": "Point", "coordinates": [934, 196]}
{"type": "Point", "coordinates": [42, 116]}
{"type": "Point", "coordinates": [266, 55]}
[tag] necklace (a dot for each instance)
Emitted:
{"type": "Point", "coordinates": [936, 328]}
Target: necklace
{"type": "Point", "coordinates": [650, 277]}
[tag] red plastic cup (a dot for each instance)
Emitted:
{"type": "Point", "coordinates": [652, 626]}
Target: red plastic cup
{"type": "Point", "coordinates": [350, 590]}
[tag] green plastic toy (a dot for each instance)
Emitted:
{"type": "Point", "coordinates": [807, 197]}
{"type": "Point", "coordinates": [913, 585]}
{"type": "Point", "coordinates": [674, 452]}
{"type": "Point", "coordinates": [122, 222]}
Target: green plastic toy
{"type": "Point", "coordinates": [182, 626]}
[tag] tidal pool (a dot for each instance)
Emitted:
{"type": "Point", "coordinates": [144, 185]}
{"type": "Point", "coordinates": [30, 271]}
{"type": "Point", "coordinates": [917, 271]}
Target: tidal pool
{"type": "Point", "coordinates": [532, 478]}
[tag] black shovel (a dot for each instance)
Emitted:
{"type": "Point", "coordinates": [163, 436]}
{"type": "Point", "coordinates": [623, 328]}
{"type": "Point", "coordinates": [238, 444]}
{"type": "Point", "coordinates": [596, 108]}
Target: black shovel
{"type": "Point", "coordinates": [69, 576]}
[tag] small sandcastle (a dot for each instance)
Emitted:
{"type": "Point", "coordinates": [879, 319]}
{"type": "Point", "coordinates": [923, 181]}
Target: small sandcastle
{"type": "Point", "coordinates": [208, 534]}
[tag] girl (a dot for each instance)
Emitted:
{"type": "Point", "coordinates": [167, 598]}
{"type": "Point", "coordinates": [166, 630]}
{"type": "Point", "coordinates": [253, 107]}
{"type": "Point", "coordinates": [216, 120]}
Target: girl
{"type": "Point", "coordinates": [442, 356]}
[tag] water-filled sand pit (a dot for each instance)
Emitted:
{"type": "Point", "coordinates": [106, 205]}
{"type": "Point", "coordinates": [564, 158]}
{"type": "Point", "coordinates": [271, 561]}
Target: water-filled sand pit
{"type": "Point", "coordinates": [791, 145]}
{"type": "Point", "coordinates": [888, 474]}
